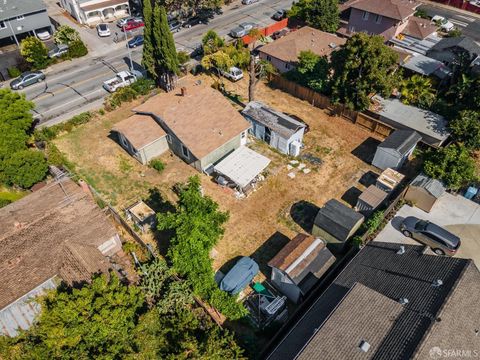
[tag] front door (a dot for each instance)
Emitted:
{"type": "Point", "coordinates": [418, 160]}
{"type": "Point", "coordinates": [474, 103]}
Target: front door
{"type": "Point", "coordinates": [268, 135]}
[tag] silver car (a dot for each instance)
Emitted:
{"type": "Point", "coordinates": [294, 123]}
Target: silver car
{"type": "Point", "coordinates": [58, 50]}
{"type": "Point", "coordinates": [26, 79]}
{"type": "Point", "coordinates": [242, 29]}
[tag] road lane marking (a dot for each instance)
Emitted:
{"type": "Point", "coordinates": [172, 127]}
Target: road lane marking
{"type": "Point", "coordinates": [459, 23]}
{"type": "Point", "coordinates": [469, 19]}
{"type": "Point", "coordinates": [69, 102]}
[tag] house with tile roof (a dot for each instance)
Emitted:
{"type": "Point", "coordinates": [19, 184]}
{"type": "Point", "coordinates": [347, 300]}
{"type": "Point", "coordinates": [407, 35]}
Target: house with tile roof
{"type": "Point", "coordinates": [388, 303]}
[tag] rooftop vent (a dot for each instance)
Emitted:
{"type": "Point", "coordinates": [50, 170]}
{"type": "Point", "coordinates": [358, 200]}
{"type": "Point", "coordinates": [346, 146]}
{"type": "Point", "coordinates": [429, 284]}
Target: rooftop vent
{"type": "Point", "coordinates": [437, 283]}
{"type": "Point", "coordinates": [183, 89]}
{"type": "Point", "coordinates": [401, 251]}
{"type": "Point", "coordinates": [364, 346]}
{"type": "Point", "coordinates": [403, 301]}
{"type": "Point", "coordinates": [333, 45]}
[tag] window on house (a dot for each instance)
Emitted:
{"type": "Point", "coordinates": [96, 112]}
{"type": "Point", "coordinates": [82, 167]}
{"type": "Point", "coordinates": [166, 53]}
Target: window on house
{"type": "Point", "coordinates": [269, 58]}
{"type": "Point", "coordinates": [169, 138]}
{"type": "Point", "coordinates": [3, 25]}
{"type": "Point", "coordinates": [21, 17]}
{"type": "Point", "coordinates": [378, 19]}
{"type": "Point", "coordinates": [244, 135]}
{"type": "Point", "coordinates": [365, 15]}
{"type": "Point", "coordinates": [185, 151]}
{"type": "Point", "coordinates": [287, 66]}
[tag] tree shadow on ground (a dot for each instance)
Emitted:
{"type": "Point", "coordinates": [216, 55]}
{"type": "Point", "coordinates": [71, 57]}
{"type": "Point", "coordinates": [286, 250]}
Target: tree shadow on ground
{"type": "Point", "coordinates": [268, 250]}
{"type": "Point", "coordinates": [304, 213]}
{"type": "Point", "coordinates": [366, 150]}
{"type": "Point", "coordinates": [351, 196]}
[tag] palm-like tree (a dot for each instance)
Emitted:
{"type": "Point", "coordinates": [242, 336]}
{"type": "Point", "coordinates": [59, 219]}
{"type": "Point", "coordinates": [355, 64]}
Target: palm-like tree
{"type": "Point", "coordinates": [417, 90]}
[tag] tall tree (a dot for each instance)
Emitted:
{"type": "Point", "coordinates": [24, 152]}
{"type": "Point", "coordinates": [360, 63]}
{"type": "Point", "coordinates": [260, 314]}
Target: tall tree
{"type": "Point", "coordinates": [148, 57]}
{"type": "Point", "coordinates": [34, 52]}
{"type": "Point", "coordinates": [211, 42]}
{"type": "Point", "coordinates": [417, 91]}
{"type": "Point", "coordinates": [311, 71]}
{"type": "Point", "coordinates": [465, 128]}
{"type": "Point", "coordinates": [321, 14]}
{"type": "Point", "coordinates": [165, 54]}
{"type": "Point", "coordinates": [257, 69]}
{"type": "Point", "coordinates": [364, 65]}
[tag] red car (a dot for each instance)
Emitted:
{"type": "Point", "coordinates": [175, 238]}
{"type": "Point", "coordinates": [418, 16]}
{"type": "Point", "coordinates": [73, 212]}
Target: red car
{"type": "Point", "coordinates": [134, 24]}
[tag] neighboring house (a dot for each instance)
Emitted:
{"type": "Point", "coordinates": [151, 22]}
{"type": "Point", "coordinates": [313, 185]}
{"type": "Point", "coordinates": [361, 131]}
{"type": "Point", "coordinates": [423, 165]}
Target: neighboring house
{"type": "Point", "coordinates": [396, 149]}
{"type": "Point", "coordinates": [336, 223]}
{"type": "Point", "coordinates": [423, 65]}
{"type": "Point", "coordinates": [90, 12]}
{"type": "Point", "coordinates": [55, 234]}
{"type": "Point", "coordinates": [389, 304]}
{"type": "Point", "coordinates": [22, 18]}
{"type": "Point", "coordinates": [432, 127]}
{"type": "Point", "coordinates": [196, 122]}
{"type": "Point", "coordinates": [370, 200]}
{"type": "Point", "coordinates": [449, 50]}
{"type": "Point", "coordinates": [283, 53]}
{"type": "Point", "coordinates": [299, 266]}
{"type": "Point", "coordinates": [392, 19]}
{"type": "Point", "coordinates": [424, 192]}
{"type": "Point", "coordinates": [275, 128]}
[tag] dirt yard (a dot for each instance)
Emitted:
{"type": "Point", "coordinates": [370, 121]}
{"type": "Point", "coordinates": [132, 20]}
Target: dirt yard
{"type": "Point", "coordinates": [260, 224]}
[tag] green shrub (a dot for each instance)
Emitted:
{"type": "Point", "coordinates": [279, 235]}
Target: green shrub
{"type": "Point", "coordinates": [4, 202]}
{"type": "Point", "coordinates": [35, 52]}
{"type": "Point", "coordinates": [143, 86]}
{"type": "Point", "coordinates": [66, 35]}
{"type": "Point", "coordinates": [374, 222]}
{"type": "Point", "coordinates": [57, 158]}
{"type": "Point", "coordinates": [77, 49]}
{"type": "Point", "coordinates": [125, 94]}
{"type": "Point", "coordinates": [183, 57]}
{"type": "Point", "coordinates": [157, 164]}
{"type": "Point", "coordinates": [13, 72]}
{"type": "Point", "coordinates": [24, 168]}
{"type": "Point", "coordinates": [80, 119]}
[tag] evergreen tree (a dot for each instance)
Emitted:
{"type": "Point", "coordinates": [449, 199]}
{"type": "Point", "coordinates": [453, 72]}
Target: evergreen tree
{"type": "Point", "coordinates": [148, 59]}
{"type": "Point", "coordinates": [320, 14]}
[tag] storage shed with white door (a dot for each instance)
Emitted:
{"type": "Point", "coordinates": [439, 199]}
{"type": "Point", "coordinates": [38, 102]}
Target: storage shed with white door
{"type": "Point", "coordinates": [396, 149]}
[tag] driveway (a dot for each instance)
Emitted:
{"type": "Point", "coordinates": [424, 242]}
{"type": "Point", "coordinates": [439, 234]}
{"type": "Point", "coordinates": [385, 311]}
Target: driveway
{"type": "Point", "coordinates": [455, 213]}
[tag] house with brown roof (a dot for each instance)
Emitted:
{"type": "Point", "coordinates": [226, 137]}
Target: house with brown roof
{"type": "Point", "coordinates": [388, 18]}
{"type": "Point", "coordinates": [55, 234]}
{"type": "Point", "coordinates": [196, 122]}
{"type": "Point", "coordinates": [299, 265]}
{"type": "Point", "coordinates": [283, 53]}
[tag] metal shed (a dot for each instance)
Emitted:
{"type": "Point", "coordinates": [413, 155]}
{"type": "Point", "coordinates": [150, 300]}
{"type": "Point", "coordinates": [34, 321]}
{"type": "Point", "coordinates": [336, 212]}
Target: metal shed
{"type": "Point", "coordinates": [424, 192]}
{"type": "Point", "coordinates": [395, 149]}
{"type": "Point", "coordinates": [370, 200]}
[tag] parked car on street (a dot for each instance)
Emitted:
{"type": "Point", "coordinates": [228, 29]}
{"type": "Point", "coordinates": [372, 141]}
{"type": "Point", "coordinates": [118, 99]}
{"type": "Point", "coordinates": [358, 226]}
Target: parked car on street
{"type": "Point", "coordinates": [103, 30]}
{"type": "Point", "coordinates": [279, 15]}
{"type": "Point", "coordinates": [122, 79]}
{"type": "Point", "coordinates": [174, 26]}
{"type": "Point", "coordinates": [133, 24]}
{"type": "Point", "coordinates": [124, 21]}
{"type": "Point", "coordinates": [26, 79]}
{"type": "Point", "coordinates": [194, 21]}
{"type": "Point", "coordinates": [444, 24]}
{"type": "Point", "coordinates": [58, 50]}
{"type": "Point", "coordinates": [279, 34]}
{"type": "Point", "coordinates": [233, 73]}
{"type": "Point", "coordinates": [248, 2]}
{"type": "Point", "coordinates": [135, 41]}
{"type": "Point", "coordinates": [441, 241]}
{"type": "Point", "coordinates": [242, 29]}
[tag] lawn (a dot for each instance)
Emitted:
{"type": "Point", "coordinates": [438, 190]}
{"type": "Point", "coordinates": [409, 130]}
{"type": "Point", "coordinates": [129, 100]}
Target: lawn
{"type": "Point", "coordinates": [281, 206]}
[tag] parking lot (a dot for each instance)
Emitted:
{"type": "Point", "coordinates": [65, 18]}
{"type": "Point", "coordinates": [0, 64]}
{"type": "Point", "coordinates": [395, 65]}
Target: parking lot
{"type": "Point", "coordinates": [455, 213]}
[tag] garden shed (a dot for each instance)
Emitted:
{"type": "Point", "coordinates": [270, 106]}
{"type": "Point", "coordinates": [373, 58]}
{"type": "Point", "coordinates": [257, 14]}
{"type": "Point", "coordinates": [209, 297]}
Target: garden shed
{"type": "Point", "coordinates": [396, 149]}
{"type": "Point", "coordinates": [370, 200]}
{"type": "Point", "coordinates": [336, 223]}
{"type": "Point", "coordinates": [389, 179]}
{"type": "Point", "coordinates": [424, 192]}
{"type": "Point", "coordinates": [142, 215]}
{"type": "Point", "coordinates": [299, 265]}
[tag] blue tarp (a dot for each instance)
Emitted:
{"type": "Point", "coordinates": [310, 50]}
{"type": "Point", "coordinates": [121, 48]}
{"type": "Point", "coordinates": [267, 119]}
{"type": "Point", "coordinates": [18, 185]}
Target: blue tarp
{"type": "Point", "coordinates": [239, 276]}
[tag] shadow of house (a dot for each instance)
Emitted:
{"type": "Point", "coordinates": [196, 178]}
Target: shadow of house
{"type": "Point", "coordinates": [351, 195]}
{"type": "Point", "coordinates": [369, 178]}
{"type": "Point", "coordinates": [366, 150]}
{"type": "Point", "coordinates": [268, 250]}
{"type": "Point", "coordinates": [303, 213]}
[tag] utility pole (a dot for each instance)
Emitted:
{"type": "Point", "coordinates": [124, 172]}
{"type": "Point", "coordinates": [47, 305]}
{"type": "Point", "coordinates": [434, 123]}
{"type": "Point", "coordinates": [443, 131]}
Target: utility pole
{"type": "Point", "coordinates": [13, 33]}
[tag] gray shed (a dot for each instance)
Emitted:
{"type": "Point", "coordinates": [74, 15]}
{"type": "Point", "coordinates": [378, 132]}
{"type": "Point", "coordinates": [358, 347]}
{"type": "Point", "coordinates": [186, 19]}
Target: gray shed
{"type": "Point", "coordinates": [275, 128]}
{"type": "Point", "coordinates": [336, 223]}
{"type": "Point", "coordinates": [299, 265]}
{"type": "Point", "coordinates": [395, 149]}
{"type": "Point", "coordinates": [370, 200]}
{"type": "Point", "coordinates": [424, 192]}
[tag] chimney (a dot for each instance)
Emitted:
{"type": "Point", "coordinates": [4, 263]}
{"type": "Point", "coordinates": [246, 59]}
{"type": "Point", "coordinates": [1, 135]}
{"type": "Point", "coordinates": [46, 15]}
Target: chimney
{"type": "Point", "coordinates": [183, 89]}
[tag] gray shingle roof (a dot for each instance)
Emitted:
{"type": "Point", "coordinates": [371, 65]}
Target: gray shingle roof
{"type": "Point", "coordinates": [401, 141]}
{"type": "Point", "coordinates": [275, 120]}
{"type": "Point", "coordinates": [13, 8]}
{"type": "Point", "coordinates": [433, 186]}
{"type": "Point", "coordinates": [463, 42]}
{"type": "Point", "coordinates": [337, 219]}
{"type": "Point", "coordinates": [410, 275]}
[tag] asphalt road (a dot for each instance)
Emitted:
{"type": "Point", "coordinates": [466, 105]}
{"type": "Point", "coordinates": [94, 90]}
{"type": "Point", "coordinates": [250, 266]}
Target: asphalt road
{"type": "Point", "coordinates": [468, 24]}
{"type": "Point", "coordinates": [77, 87]}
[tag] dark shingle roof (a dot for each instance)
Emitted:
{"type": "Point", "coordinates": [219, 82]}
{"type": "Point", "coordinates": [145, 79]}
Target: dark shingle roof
{"type": "Point", "coordinates": [463, 42]}
{"type": "Point", "coordinates": [12, 8]}
{"type": "Point", "coordinates": [410, 275]}
{"type": "Point", "coordinates": [337, 219]}
{"type": "Point", "coordinates": [401, 141]}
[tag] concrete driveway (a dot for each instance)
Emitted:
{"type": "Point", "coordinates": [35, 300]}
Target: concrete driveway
{"type": "Point", "coordinates": [455, 213]}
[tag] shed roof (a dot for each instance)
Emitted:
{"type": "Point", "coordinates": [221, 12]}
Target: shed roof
{"type": "Point", "coordinates": [304, 254]}
{"type": "Point", "coordinates": [373, 196]}
{"type": "Point", "coordinates": [337, 219]}
{"type": "Point", "coordinates": [203, 119]}
{"type": "Point", "coordinates": [289, 47]}
{"type": "Point", "coordinates": [402, 141]}
{"type": "Point", "coordinates": [277, 121]}
{"type": "Point", "coordinates": [424, 65]}
{"type": "Point", "coordinates": [401, 116]}
{"type": "Point", "coordinates": [13, 8]}
{"type": "Point", "coordinates": [410, 275]}
{"type": "Point", "coordinates": [140, 130]}
{"type": "Point", "coordinates": [242, 165]}
{"type": "Point", "coordinates": [433, 186]}
{"type": "Point", "coordinates": [390, 177]}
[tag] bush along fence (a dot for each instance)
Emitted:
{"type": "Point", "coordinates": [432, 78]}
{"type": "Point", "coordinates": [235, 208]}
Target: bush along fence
{"type": "Point", "coordinates": [366, 119]}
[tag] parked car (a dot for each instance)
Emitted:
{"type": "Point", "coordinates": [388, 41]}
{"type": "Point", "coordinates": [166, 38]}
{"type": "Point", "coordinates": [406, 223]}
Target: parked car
{"type": "Point", "coordinates": [194, 21]}
{"type": "Point", "coordinates": [444, 24]}
{"type": "Point", "coordinates": [135, 41]}
{"type": "Point", "coordinates": [124, 21]}
{"type": "Point", "coordinates": [441, 241]}
{"type": "Point", "coordinates": [58, 50]}
{"type": "Point", "coordinates": [103, 30]}
{"type": "Point", "coordinates": [44, 35]}
{"type": "Point", "coordinates": [197, 51]}
{"type": "Point", "coordinates": [26, 79]}
{"type": "Point", "coordinates": [174, 26]}
{"type": "Point", "coordinates": [279, 15]}
{"type": "Point", "coordinates": [242, 29]}
{"type": "Point", "coordinates": [122, 79]}
{"type": "Point", "coordinates": [233, 73]}
{"type": "Point", "coordinates": [279, 34]}
{"type": "Point", "coordinates": [133, 24]}
{"type": "Point", "coordinates": [248, 2]}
